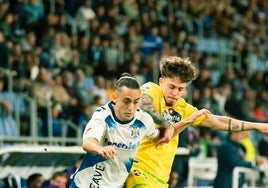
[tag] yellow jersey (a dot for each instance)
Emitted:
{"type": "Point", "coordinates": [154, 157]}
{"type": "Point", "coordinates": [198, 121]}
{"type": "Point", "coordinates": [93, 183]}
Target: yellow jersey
{"type": "Point", "coordinates": [158, 160]}
{"type": "Point", "coordinates": [250, 154]}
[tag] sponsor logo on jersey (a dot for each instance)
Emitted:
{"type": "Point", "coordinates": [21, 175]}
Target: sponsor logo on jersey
{"type": "Point", "coordinates": [97, 176]}
{"type": "Point", "coordinates": [128, 145]}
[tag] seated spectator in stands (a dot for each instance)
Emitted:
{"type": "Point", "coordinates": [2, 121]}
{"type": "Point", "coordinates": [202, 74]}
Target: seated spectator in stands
{"type": "Point", "coordinates": [21, 80]}
{"type": "Point", "coordinates": [96, 103]}
{"type": "Point", "coordinates": [99, 89]}
{"type": "Point", "coordinates": [13, 181]}
{"type": "Point", "coordinates": [8, 125]}
{"type": "Point", "coordinates": [71, 170]}
{"type": "Point", "coordinates": [56, 123]}
{"type": "Point", "coordinates": [83, 16]}
{"type": "Point", "coordinates": [61, 51]}
{"type": "Point", "coordinates": [263, 146]}
{"type": "Point", "coordinates": [230, 155]}
{"type": "Point", "coordinates": [94, 54]}
{"type": "Point", "coordinates": [41, 90]}
{"type": "Point", "coordinates": [33, 11]}
{"type": "Point", "coordinates": [61, 96]}
{"type": "Point", "coordinates": [59, 179]}
{"type": "Point", "coordinates": [263, 150]}
{"type": "Point", "coordinates": [35, 180]}
{"type": "Point", "coordinates": [82, 86]}
{"type": "Point", "coordinates": [83, 116]}
{"type": "Point", "coordinates": [59, 92]}
{"type": "Point", "coordinates": [4, 52]}
{"type": "Point", "coordinates": [247, 144]}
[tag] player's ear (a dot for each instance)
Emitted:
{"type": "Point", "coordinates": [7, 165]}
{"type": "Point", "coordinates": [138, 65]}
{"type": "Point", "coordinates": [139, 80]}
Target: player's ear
{"type": "Point", "coordinates": [160, 80]}
{"type": "Point", "coordinates": [114, 98]}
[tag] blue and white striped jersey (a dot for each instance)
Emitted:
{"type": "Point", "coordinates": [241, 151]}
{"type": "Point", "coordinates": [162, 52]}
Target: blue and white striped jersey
{"type": "Point", "coordinates": [96, 171]}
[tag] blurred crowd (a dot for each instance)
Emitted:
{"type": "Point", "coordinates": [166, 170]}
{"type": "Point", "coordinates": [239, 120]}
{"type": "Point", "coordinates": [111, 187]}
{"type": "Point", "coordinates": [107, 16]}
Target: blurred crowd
{"type": "Point", "coordinates": [68, 53]}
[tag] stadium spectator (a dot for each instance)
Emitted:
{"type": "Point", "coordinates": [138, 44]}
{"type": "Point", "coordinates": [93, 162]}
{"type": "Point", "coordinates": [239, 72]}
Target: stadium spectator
{"type": "Point", "coordinates": [41, 90]}
{"type": "Point", "coordinates": [61, 51]}
{"type": "Point", "coordinates": [12, 180]}
{"type": "Point", "coordinates": [58, 179]}
{"type": "Point", "coordinates": [94, 54]}
{"type": "Point", "coordinates": [99, 89]}
{"type": "Point", "coordinates": [57, 125]}
{"type": "Point", "coordinates": [33, 13]}
{"type": "Point", "coordinates": [226, 163]}
{"type": "Point", "coordinates": [22, 80]}
{"type": "Point", "coordinates": [8, 125]}
{"type": "Point", "coordinates": [84, 61]}
{"type": "Point", "coordinates": [59, 93]}
{"type": "Point", "coordinates": [61, 96]}
{"type": "Point", "coordinates": [83, 16]}
{"type": "Point", "coordinates": [35, 180]}
{"type": "Point", "coordinates": [4, 52]}
{"type": "Point", "coordinates": [82, 86]}
{"type": "Point", "coordinates": [84, 115]}
{"type": "Point", "coordinates": [96, 103]}
{"type": "Point", "coordinates": [249, 148]}
{"type": "Point", "coordinates": [72, 169]}
{"type": "Point", "coordinates": [112, 55]}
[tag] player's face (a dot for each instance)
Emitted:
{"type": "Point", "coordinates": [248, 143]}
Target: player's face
{"type": "Point", "coordinates": [172, 88]}
{"type": "Point", "coordinates": [126, 103]}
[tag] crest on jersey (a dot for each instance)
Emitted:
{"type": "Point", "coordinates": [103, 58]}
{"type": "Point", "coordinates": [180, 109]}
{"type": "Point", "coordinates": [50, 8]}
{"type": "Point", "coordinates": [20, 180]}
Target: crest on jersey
{"type": "Point", "coordinates": [135, 132]}
{"type": "Point", "coordinates": [171, 115]}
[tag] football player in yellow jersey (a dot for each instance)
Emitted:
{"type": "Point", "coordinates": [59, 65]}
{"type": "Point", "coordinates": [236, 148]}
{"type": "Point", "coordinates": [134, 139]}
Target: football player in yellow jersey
{"type": "Point", "coordinates": [165, 104]}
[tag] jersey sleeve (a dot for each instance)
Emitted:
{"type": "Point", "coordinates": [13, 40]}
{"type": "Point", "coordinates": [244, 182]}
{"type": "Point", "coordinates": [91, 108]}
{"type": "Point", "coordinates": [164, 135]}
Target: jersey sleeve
{"type": "Point", "coordinates": [95, 127]}
{"type": "Point", "coordinates": [152, 89]}
{"type": "Point", "coordinates": [152, 131]}
{"type": "Point", "coordinates": [190, 110]}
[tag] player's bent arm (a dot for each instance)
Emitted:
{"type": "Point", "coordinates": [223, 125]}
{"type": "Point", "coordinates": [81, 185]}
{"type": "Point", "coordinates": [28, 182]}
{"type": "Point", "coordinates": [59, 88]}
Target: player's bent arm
{"type": "Point", "coordinates": [92, 145]}
{"type": "Point", "coordinates": [181, 125]}
{"type": "Point", "coordinates": [231, 124]}
{"type": "Point", "coordinates": [148, 106]}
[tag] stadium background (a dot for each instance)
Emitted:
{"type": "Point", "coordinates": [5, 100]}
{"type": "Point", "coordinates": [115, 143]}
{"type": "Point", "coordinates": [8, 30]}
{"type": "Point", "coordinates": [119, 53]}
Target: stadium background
{"type": "Point", "coordinates": [83, 46]}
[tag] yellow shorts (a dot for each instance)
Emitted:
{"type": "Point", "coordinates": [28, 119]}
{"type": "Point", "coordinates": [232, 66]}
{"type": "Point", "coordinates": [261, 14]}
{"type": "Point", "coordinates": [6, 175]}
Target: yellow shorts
{"type": "Point", "coordinates": [141, 178]}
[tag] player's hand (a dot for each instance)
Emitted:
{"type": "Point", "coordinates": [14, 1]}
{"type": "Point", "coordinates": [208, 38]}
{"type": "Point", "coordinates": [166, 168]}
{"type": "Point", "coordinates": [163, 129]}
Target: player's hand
{"type": "Point", "coordinates": [197, 114]}
{"type": "Point", "coordinates": [108, 152]}
{"type": "Point", "coordinates": [165, 135]}
{"type": "Point", "coordinates": [263, 128]}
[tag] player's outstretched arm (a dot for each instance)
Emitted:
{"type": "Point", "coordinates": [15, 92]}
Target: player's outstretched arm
{"type": "Point", "coordinates": [226, 123]}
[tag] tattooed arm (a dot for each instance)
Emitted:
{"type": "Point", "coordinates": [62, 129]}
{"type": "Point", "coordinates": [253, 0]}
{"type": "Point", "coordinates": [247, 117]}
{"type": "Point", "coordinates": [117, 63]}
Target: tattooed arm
{"type": "Point", "coordinates": [231, 124]}
{"type": "Point", "coordinates": [148, 106]}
